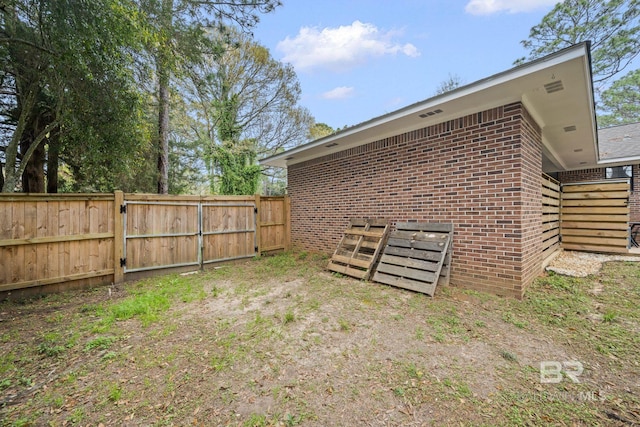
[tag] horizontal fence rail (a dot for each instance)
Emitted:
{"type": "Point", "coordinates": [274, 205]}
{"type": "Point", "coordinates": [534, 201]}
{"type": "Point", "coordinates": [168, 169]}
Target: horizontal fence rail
{"type": "Point", "coordinates": [72, 240]}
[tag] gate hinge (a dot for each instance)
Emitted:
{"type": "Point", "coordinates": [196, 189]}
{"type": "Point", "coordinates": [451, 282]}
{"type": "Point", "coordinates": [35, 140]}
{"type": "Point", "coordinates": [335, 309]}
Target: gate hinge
{"type": "Point", "coordinates": [123, 262]}
{"type": "Point", "coordinates": [256, 249]}
{"type": "Point", "coordinates": [123, 209]}
{"type": "Point", "coordinates": [255, 210]}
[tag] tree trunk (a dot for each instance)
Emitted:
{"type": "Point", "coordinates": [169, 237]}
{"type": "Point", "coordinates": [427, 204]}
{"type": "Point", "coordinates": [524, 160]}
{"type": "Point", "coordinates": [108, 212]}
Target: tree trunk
{"type": "Point", "coordinates": [33, 176]}
{"type": "Point", "coordinates": [163, 135]}
{"type": "Point", "coordinates": [52, 165]}
{"type": "Point", "coordinates": [164, 72]}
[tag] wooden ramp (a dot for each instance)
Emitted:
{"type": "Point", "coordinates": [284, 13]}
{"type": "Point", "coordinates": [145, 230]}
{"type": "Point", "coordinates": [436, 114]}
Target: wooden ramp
{"type": "Point", "coordinates": [417, 257]}
{"type": "Point", "coordinates": [359, 247]}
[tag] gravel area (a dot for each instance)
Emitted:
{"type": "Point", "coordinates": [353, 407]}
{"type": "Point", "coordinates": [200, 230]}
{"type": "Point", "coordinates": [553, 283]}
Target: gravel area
{"type": "Point", "coordinates": [582, 264]}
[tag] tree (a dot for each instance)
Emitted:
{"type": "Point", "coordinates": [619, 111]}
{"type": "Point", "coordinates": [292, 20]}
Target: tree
{"type": "Point", "coordinates": [452, 82]}
{"type": "Point", "coordinates": [621, 101]}
{"type": "Point", "coordinates": [319, 130]}
{"type": "Point", "coordinates": [245, 105]}
{"type": "Point", "coordinates": [612, 26]}
{"type": "Point", "coordinates": [181, 28]}
{"type": "Point", "coordinates": [67, 87]}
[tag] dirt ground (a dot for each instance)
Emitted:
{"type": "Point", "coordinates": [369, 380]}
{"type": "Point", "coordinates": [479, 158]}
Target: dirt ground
{"type": "Point", "coordinates": [281, 341]}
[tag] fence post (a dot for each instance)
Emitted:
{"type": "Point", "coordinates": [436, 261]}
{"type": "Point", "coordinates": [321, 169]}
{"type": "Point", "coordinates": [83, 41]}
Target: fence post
{"type": "Point", "coordinates": [287, 223]}
{"type": "Point", "coordinates": [118, 237]}
{"type": "Point", "coordinates": [258, 221]}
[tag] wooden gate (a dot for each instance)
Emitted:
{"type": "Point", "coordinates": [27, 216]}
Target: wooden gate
{"type": "Point", "coordinates": [187, 231]}
{"type": "Point", "coordinates": [595, 216]}
{"type": "Point", "coordinates": [160, 234]}
{"type": "Point", "coordinates": [228, 230]}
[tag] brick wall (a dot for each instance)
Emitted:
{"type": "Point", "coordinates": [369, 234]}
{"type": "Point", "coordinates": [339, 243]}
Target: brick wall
{"type": "Point", "coordinates": [598, 174]}
{"type": "Point", "coordinates": [481, 172]}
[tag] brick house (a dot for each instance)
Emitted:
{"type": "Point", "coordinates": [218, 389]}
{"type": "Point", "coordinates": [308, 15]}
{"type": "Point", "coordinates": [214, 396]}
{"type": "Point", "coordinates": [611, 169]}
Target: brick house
{"type": "Point", "coordinates": [619, 148]}
{"type": "Point", "coordinates": [473, 156]}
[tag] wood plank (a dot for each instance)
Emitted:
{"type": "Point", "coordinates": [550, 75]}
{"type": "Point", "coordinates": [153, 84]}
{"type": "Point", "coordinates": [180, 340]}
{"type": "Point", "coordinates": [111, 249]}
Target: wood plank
{"type": "Point", "coordinates": [410, 273]}
{"type": "Point", "coordinates": [118, 237]}
{"type": "Point", "coordinates": [596, 196]}
{"type": "Point", "coordinates": [549, 182]}
{"type": "Point", "coordinates": [403, 282]}
{"type": "Point", "coordinates": [550, 250]}
{"type": "Point", "coordinates": [602, 202]}
{"type": "Point", "coordinates": [287, 218]}
{"type": "Point", "coordinates": [409, 262]}
{"type": "Point", "coordinates": [259, 214]}
{"type": "Point", "coordinates": [621, 225]}
{"type": "Point", "coordinates": [53, 280]}
{"type": "Point", "coordinates": [550, 201]}
{"type": "Point", "coordinates": [597, 187]}
{"type": "Point", "coordinates": [351, 261]}
{"type": "Point", "coordinates": [550, 193]}
{"type": "Point", "coordinates": [412, 253]}
{"type": "Point", "coordinates": [365, 244]}
{"type": "Point", "coordinates": [404, 243]}
{"type": "Point", "coordinates": [597, 241]}
{"type": "Point", "coordinates": [346, 270]}
{"type": "Point", "coordinates": [53, 263]}
{"type": "Point", "coordinates": [550, 209]}
{"type": "Point", "coordinates": [595, 248]}
{"type": "Point", "coordinates": [419, 236]}
{"type": "Point", "coordinates": [55, 239]}
{"type": "Point", "coordinates": [595, 210]}
{"type": "Point", "coordinates": [549, 234]}
{"type": "Point", "coordinates": [363, 233]}
{"type": "Point", "coordinates": [551, 240]}
{"type": "Point", "coordinates": [595, 233]}
{"type": "Point", "coordinates": [42, 197]}
{"type": "Point", "coordinates": [596, 218]}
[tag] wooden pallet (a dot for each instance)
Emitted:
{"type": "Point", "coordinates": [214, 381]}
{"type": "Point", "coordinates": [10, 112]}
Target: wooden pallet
{"type": "Point", "coordinates": [359, 247]}
{"type": "Point", "coordinates": [417, 257]}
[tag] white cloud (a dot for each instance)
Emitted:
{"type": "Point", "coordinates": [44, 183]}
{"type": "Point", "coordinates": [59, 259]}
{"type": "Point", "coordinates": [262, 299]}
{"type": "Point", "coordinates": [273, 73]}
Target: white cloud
{"type": "Point", "coordinates": [341, 48]}
{"type": "Point", "coordinates": [340, 92]}
{"type": "Point", "coordinates": [488, 7]}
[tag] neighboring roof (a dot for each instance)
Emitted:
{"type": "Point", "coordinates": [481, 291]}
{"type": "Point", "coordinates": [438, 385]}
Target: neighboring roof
{"type": "Point", "coordinates": [619, 143]}
{"type": "Point", "coordinates": [557, 90]}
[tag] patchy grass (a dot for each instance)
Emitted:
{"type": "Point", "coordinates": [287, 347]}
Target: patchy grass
{"type": "Point", "coordinates": [281, 341]}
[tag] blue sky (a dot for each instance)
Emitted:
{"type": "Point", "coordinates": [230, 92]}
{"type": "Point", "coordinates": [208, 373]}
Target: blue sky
{"type": "Point", "coordinates": [359, 59]}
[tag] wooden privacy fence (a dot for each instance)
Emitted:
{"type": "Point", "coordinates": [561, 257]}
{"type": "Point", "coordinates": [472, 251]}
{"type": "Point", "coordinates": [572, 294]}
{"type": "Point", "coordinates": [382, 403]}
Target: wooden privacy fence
{"type": "Point", "coordinates": [595, 216]}
{"type": "Point", "coordinates": [72, 240]}
{"type": "Point", "coordinates": [550, 216]}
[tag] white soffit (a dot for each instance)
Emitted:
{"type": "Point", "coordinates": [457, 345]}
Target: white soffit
{"type": "Point", "coordinates": [556, 90]}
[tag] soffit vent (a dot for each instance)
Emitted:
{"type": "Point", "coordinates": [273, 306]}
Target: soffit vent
{"type": "Point", "coordinates": [333, 144]}
{"type": "Point", "coordinates": [430, 113]}
{"type": "Point", "coordinates": [289, 158]}
{"type": "Point", "coordinates": [571, 128]}
{"type": "Point", "coordinates": [554, 86]}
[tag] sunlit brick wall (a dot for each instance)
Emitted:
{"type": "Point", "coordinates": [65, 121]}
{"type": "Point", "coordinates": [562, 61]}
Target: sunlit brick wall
{"type": "Point", "coordinates": [481, 172]}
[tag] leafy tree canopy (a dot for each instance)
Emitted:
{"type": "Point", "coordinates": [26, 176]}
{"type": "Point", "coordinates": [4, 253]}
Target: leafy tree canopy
{"type": "Point", "coordinates": [612, 26]}
{"type": "Point", "coordinates": [621, 101]}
